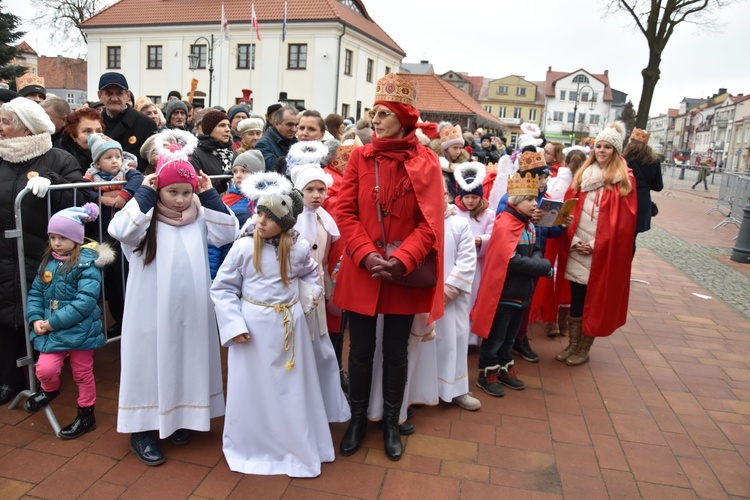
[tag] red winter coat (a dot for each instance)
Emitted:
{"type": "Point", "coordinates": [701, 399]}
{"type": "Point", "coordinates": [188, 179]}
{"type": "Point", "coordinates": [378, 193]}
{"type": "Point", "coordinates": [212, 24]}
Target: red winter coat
{"type": "Point", "coordinates": [412, 195]}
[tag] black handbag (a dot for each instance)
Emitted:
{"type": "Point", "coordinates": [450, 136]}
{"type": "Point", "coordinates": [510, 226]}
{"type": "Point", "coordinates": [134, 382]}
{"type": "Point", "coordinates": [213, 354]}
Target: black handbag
{"type": "Point", "coordinates": [424, 276]}
{"type": "Point", "coordinates": [654, 209]}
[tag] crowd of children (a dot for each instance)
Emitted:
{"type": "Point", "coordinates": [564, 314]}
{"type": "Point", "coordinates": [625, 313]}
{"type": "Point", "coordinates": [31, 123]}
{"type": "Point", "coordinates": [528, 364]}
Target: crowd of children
{"type": "Point", "coordinates": [259, 266]}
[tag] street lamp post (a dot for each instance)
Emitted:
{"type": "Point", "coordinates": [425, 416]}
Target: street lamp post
{"type": "Point", "coordinates": [195, 60]}
{"type": "Point", "coordinates": [575, 107]}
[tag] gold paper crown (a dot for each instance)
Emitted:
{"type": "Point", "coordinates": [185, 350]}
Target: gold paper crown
{"type": "Point", "coordinates": [393, 88]}
{"type": "Point", "coordinates": [528, 185]}
{"type": "Point", "coordinates": [640, 135]}
{"type": "Point", "coordinates": [28, 79]}
{"type": "Point", "coordinates": [344, 152]}
{"type": "Point", "coordinates": [452, 134]}
{"type": "Point", "coordinates": [529, 160]}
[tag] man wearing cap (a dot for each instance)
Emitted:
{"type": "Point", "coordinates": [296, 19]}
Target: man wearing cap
{"type": "Point", "coordinates": [280, 137]}
{"type": "Point", "coordinates": [123, 123]}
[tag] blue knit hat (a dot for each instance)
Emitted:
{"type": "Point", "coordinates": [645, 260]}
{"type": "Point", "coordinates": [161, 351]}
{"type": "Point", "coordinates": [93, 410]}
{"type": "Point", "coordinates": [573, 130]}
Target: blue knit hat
{"type": "Point", "coordinates": [99, 143]}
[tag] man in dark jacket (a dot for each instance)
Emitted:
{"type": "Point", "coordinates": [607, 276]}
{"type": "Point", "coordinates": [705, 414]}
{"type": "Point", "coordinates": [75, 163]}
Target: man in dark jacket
{"type": "Point", "coordinates": [488, 153]}
{"type": "Point", "coordinates": [280, 137]}
{"type": "Point", "coordinates": [176, 115]}
{"type": "Point", "coordinates": [123, 123]}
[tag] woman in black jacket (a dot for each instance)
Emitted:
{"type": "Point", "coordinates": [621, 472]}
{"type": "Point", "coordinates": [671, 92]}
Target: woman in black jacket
{"type": "Point", "coordinates": [27, 160]}
{"type": "Point", "coordinates": [646, 168]}
{"type": "Point", "coordinates": [214, 153]}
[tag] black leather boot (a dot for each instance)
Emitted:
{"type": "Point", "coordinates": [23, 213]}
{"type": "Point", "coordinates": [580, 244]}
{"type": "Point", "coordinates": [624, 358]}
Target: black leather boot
{"type": "Point", "coordinates": [394, 383]}
{"type": "Point", "coordinates": [360, 380]}
{"type": "Point", "coordinates": [39, 400]}
{"type": "Point", "coordinates": [83, 423]}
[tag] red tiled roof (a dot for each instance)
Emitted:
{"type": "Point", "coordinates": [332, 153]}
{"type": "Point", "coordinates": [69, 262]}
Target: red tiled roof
{"type": "Point", "coordinates": [25, 47]}
{"type": "Point", "coordinates": [181, 12]}
{"type": "Point", "coordinates": [438, 96]}
{"type": "Point", "coordinates": [673, 112]}
{"type": "Point", "coordinates": [63, 73]}
{"type": "Point", "coordinates": [475, 85]}
{"type": "Point", "coordinates": [554, 76]}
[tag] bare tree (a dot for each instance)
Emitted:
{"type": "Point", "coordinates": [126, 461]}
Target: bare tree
{"type": "Point", "coordinates": [657, 20]}
{"type": "Point", "coordinates": [62, 17]}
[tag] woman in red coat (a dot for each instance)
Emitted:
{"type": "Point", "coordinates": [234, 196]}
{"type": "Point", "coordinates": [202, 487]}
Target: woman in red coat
{"type": "Point", "coordinates": [405, 178]}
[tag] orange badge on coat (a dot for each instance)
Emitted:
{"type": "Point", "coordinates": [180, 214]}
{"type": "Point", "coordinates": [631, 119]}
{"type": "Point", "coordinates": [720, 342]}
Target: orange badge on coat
{"type": "Point", "coordinates": [47, 276]}
{"type": "Point", "coordinates": [31, 175]}
{"type": "Point", "coordinates": [132, 139]}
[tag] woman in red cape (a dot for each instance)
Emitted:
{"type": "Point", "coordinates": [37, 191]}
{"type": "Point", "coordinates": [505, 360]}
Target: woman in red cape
{"type": "Point", "coordinates": [409, 193]}
{"type": "Point", "coordinates": [595, 252]}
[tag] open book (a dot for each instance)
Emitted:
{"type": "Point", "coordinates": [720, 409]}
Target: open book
{"type": "Point", "coordinates": [554, 212]}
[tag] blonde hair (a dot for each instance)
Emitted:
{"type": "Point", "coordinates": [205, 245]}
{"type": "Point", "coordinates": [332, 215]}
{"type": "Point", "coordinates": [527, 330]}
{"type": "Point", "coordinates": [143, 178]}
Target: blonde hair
{"type": "Point", "coordinates": [285, 246]}
{"type": "Point", "coordinates": [615, 167]}
{"type": "Point", "coordinates": [515, 200]}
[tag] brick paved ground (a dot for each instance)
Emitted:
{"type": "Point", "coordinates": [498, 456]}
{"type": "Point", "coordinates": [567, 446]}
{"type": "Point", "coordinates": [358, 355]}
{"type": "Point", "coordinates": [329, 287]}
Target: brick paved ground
{"type": "Point", "coordinates": [661, 411]}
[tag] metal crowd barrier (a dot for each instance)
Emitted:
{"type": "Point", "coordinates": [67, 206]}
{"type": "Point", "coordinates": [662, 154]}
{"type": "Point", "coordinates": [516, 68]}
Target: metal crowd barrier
{"type": "Point", "coordinates": [734, 194]}
{"type": "Point", "coordinates": [684, 177]}
{"type": "Point", "coordinates": [17, 234]}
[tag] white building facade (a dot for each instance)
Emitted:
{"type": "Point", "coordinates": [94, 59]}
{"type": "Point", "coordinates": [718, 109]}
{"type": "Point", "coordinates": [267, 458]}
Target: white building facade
{"type": "Point", "coordinates": [657, 127]}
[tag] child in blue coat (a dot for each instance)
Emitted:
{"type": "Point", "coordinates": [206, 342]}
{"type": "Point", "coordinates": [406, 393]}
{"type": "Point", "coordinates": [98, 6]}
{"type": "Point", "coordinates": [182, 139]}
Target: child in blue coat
{"type": "Point", "coordinates": [63, 310]}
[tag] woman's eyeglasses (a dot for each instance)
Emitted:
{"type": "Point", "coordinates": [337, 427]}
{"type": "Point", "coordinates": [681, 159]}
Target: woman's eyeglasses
{"type": "Point", "coordinates": [382, 114]}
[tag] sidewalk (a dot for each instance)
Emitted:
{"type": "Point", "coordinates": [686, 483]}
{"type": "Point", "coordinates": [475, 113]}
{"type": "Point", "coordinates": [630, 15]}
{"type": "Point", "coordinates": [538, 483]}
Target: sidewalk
{"type": "Point", "coordinates": [661, 411]}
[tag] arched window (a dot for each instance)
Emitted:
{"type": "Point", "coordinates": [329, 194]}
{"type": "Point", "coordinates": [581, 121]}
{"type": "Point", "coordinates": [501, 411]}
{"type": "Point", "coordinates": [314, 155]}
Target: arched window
{"type": "Point", "coordinates": [580, 79]}
{"type": "Point", "coordinates": [352, 5]}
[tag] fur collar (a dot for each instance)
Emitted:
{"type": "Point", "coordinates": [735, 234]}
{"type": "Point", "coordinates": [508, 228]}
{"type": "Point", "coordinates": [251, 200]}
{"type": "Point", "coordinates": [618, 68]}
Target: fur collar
{"type": "Point", "coordinates": [593, 178]}
{"type": "Point", "coordinates": [20, 149]}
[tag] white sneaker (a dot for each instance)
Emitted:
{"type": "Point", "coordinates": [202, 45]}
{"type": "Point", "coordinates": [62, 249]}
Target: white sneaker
{"type": "Point", "coordinates": [467, 402]}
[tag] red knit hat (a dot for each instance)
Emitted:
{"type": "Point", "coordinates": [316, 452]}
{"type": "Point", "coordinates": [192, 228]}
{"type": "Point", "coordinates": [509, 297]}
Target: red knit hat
{"type": "Point", "coordinates": [407, 115]}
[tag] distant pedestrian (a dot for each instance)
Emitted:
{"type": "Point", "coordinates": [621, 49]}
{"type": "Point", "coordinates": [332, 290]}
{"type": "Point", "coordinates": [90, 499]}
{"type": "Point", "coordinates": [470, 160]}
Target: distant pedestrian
{"type": "Point", "coordinates": [703, 171]}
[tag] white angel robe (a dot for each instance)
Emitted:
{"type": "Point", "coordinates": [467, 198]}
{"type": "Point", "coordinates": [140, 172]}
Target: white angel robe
{"type": "Point", "coordinates": [276, 418]}
{"type": "Point", "coordinates": [171, 370]}
{"type": "Point", "coordinates": [318, 228]}
{"type": "Point", "coordinates": [452, 330]}
{"type": "Point", "coordinates": [483, 229]}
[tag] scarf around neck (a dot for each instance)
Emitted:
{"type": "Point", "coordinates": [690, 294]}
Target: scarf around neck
{"type": "Point", "coordinates": [390, 154]}
{"type": "Point", "coordinates": [20, 149]}
{"type": "Point", "coordinates": [175, 218]}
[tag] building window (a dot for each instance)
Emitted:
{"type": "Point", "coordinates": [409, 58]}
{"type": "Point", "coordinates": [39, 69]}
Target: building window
{"type": "Point", "coordinates": [581, 117]}
{"type": "Point", "coordinates": [562, 95]}
{"type": "Point", "coordinates": [156, 99]}
{"type": "Point", "coordinates": [387, 70]}
{"type": "Point", "coordinates": [532, 115]}
{"type": "Point", "coordinates": [345, 110]}
{"type": "Point", "coordinates": [296, 102]}
{"type": "Point", "coordinates": [584, 96]}
{"type": "Point", "coordinates": [246, 56]}
{"type": "Point", "coordinates": [348, 56]}
{"type": "Point", "coordinates": [154, 57]}
{"type": "Point", "coordinates": [370, 69]}
{"type": "Point", "coordinates": [501, 112]}
{"type": "Point", "coordinates": [572, 96]}
{"type": "Point", "coordinates": [297, 56]}
{"type": "Point", "coordinates": [70, 98]}
{"type": "Point", "coordinates": [113, 57]}
{"type": "Point", "coordinates": [594, 97]}
{"type": "Point", "coordinates": [488, 109]}
{"type": "Point", "coordinates": [513, 139]}
{"type": "Point", "coordinates": [502, 90]}
{"type": "Point", "coordinates": [580, 79]}
{"type": "Point", "coordinates": [521, 91]}
{"type": "Point", "coordinates": [517, 113]}
{"type": "Point", "coordinates": [557, 116]}
{"type": "Point", "coordinates": [202, 52]}
{"type": "Point", "coordinates": [571, 117]}
{"type": "Point", "coordinates": [352, 5]}
{"type": "Point", "coordinates": [594, 119]}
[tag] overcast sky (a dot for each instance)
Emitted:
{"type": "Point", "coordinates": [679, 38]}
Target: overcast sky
{"type": "Point", "coordinates": [496, 39]}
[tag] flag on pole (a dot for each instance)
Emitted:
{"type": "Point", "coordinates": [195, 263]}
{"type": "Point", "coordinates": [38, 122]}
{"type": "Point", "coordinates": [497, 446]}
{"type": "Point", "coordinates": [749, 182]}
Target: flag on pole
{"type": "Point", "coordinates": [255, 21]}
{"type": "Point", "coordinates": [283, 24]}
{"type": "Point", "coordinates": [224, 24]}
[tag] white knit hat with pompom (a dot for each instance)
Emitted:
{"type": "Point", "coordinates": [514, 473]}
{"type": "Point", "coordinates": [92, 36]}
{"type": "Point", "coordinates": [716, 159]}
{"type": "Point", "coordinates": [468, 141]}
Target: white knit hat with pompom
{"type": "Point", "coordinates": [614, 133]}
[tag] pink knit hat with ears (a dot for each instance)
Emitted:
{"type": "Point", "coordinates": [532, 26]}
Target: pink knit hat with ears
{"type": "Point", "coordinates": [174, 148]}
{"type": "Point", "coordinates": [69, 222]}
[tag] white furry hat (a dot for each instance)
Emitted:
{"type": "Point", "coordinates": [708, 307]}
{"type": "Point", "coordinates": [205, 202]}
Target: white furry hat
{"type": "Point", "coordinates": [614, 133]}
{"type": "Point", "coordinates": [469, 177]}
{"type": "Point", "coordinates": [32, 115]}
{"type": "Point", "coordinates": [305, 152]}
{"type": "Point", "coordinates": [528, 140]}
{"type": "Point", "coordinates": [304, 174]}
{"type": "Point", "coordinates": [531, 129]}
{"type": "Point", "coordinates": [584, 149]}
{"type": "Point", "coordinates": [276, 197]}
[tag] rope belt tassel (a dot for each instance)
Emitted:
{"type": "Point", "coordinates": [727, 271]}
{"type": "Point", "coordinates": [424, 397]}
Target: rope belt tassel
{"type": "Point", "coordinates": [286, 310]}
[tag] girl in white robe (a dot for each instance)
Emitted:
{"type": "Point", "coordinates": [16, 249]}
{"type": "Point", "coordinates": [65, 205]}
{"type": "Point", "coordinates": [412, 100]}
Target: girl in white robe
{"type": "Point", "coordinates": [171, 370]}
{"type": "Point", "coordinates": [276, 419]}
{"type": "Point", "coordinates": [317, 227]}
{"type": "Point", "coordinates": [473, 207]}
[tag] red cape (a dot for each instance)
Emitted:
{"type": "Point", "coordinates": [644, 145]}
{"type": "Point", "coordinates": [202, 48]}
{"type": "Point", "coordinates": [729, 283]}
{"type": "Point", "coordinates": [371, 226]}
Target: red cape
{"type": "Point", "coordinates": [506, 232]}
{"type": "Point", "coordinates": [608, 293]}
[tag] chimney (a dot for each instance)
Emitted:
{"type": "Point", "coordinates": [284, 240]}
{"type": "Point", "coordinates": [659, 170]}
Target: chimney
{"type": "Point", "coordinates": [722, 91]}
{"type": "Point", "coordinates": [549, 68]}
{"type": "Point", "coordinates": [424, 61]}
{"type": "Point", "coordinates": [740, 95]}
{"type": "Point", "coordinates": [606, 72]}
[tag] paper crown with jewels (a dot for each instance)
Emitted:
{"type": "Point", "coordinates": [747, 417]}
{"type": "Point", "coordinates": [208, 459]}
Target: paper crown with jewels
{"type": "Point", "coordinates": [344, 152]}
{"type": "Point", "coordinates": [29, 83]}
{"type": "Point", "coordinates": [529, 161]}
{"type": "Point", "coordinates": [393, 88]}
{"type": "Point", "coordinates": [526, 185]}
{"type": "Point", "coordinates": [640, 135]}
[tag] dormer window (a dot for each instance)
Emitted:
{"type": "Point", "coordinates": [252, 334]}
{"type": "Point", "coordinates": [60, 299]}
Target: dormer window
{"type": "Point", "coordinates": [352, 5]}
